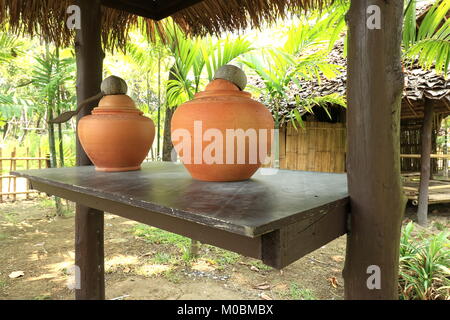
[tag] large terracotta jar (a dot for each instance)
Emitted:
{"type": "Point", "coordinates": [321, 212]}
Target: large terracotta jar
{"type": "Point", "coordinates": [222, 134]}
{"type": "Point", "coordinates": [116, 137]}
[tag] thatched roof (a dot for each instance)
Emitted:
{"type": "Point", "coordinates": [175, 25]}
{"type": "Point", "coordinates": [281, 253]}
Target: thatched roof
{"type": "Point", "coordinates": [419, 85]}
{"type": "Point", "coordinates": [47, 18]}
{"type": "Point", "coordinates": [215, 16]}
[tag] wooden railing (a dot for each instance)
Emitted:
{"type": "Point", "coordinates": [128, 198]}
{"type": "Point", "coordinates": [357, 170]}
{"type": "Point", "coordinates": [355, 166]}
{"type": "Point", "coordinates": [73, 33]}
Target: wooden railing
{"type": "Point", "coordinates": [9, 188]}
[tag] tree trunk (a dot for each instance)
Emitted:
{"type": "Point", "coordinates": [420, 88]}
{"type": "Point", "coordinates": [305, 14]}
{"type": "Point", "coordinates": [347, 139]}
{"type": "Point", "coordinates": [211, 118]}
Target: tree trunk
{"type": "Point", "coordinates": [61, 145]}
{"type": "Point", "coordinates": [52, 149]}
{"type": "Point", "coordinates": [89, 252]}
{"type": "Point", "coordinates": [375, 83]}
{"type": "Point", "coordinates": [167, 142]}
{"type": "Point", "coordinates": [446, 148]}
{"type": "Point", "coordinates": [158, 136]}
{"type": "Point", "coordinates": [58, 107]}
{"type": "Point", "coordinates": [425, 163]}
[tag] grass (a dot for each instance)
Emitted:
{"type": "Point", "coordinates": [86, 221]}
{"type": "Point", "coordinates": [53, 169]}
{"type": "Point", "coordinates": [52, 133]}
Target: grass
{"type": "Point", "coordinates": [49, 204]}
{"type": "Point", "coordinates": [163, 258]}
{"type": "Point", "coordinates": [424, 265]}
{"type": "Point", "coordinates": [297, 293]}
{"type": "Point", "coordinates": [261, 266]}
{"type": "Point", "coordinates": [172, 276]}
{"type": "Point", "coordinates": [222, 257]}
{"type": "Point", "coordinates": [440, 226]}
{"type": "Point", "coordinates": [158, 236]}
{"type": "Point", "coordinates": [10, 217]}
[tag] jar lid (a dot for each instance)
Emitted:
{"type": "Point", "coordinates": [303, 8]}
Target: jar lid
{"type": "Point", "coordinates": [120, 103]}
{"type": "Point", "coordinates": [221, 87]}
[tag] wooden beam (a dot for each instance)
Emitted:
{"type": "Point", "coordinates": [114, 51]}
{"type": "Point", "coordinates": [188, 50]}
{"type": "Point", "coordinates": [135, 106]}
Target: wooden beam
{"type": "Point", "coordinates": [425, 164]}
{"type": "Point", "coordinates": [89, 253]}
{"type": "Point", "coordinates": [147, 11]}
{"type": "Point", "coordinates": [432, 156]}
{"type": "Point", "coordinates": [156, 10]}
{"type": "Point", "coordinates": [288, 244]}
{"type": "Point", "coordinates": [167, 8]}
{"type": "Point", "coordinates": [374, 92]}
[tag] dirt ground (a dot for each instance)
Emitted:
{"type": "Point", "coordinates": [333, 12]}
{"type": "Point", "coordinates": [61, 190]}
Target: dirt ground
{"type": "Point", "coordinates": [145, 263]}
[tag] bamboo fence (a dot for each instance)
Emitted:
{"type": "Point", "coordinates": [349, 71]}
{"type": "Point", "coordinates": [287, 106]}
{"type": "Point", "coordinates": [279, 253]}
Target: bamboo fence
{"type": "Point", "coordinates": [9, 187]}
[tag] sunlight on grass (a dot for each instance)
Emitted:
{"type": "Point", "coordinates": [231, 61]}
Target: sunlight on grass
{"type": "Point", "coordinates": [56, 272]}
{"type": "Point", "coordinates": [119, 262]}
{"type": "Point", "coordinates": [149, 270]}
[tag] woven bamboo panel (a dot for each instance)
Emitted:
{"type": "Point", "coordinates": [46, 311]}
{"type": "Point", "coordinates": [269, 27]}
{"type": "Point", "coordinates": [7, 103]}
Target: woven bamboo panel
{"type": "Point", "coordinates": [318, 147]}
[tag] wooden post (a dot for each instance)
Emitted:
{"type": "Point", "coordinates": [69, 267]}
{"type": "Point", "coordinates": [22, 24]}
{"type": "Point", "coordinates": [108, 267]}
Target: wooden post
{"type": "Point", "coordinates": [48, 161]}
{"type": "Point", "coordinates": [375, 84]}
{"type": "Point", "coordinates": [14, 168]}
{"type": "Point", "coordinates": [425, 163]}
{"type": "Point", "coordinates": [28, 168]}
{"type": "Point", "coordinates": [89, 252]}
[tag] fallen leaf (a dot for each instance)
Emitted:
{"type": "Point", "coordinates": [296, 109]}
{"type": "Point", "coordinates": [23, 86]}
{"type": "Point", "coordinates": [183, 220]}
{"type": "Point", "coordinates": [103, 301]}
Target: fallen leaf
{"type": "Point", "coordinates": [265, 296]}
{"type": "Point", "coordinates": [16, 274]}
{"type": "Point", "coordinates": [253, 268]}
{"type": "Point", "coordinates": [203, 265]}
{"type": "Point", "coordinates": [262, 286]}
{"type": "Point", "coordinates": [333, 281]}
{"type": "Point", "coordinates": [337, 258]}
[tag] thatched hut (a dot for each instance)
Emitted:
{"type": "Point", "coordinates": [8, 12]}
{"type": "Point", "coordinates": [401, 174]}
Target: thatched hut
{"type": "Point", "coordinates": [320, 146]}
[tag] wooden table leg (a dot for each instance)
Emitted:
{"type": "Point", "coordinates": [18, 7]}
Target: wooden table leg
{"type": "Point", "coordinates": [89, 253]}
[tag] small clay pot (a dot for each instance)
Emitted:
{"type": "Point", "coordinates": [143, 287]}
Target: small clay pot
{"type": "Point", "coordinates": [116, 137]}
{"type": "Point", "coordinates": [220, 108]}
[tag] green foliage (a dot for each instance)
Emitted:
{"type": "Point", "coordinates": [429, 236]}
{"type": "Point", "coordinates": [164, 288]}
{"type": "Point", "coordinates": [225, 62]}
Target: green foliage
{"type": "Point", "coordinates": [50, 74]}
{"type": "Point", "coordinates": [428, 43]}
{"type": "Point", "coordinates": [195, 56]}
{"type": "Point", "coordinates": [297, 293]}
{"type": "Point", "coordinates": [424, 266]}
{"type": "Point", "coordinates": [10, 47]}
{"type": "Point", "coordinates": [158, 236]}
{"type": "Point", "coordinates": [303, 56]}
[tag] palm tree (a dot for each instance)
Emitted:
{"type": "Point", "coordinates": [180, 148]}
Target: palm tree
{"type": "Point", "coordinates": [10, 47]}
{"type": "Point", "coordinates": [428, 42]}
{"type": "Point", "coordinates": [50, 76]}
{"type": "Point", "coordinates": [150, 57]}
{"type": "Point", "coordinates": [11, 107]}
{"type": "Point", "coordinates": [301, 57]}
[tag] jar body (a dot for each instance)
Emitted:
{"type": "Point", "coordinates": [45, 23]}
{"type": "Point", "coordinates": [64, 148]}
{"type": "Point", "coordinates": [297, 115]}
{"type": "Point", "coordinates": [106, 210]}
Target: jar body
{"type": "Point", "coordinates": [222, 135]}
{"type": "Point", "coordinates": [116, 137]}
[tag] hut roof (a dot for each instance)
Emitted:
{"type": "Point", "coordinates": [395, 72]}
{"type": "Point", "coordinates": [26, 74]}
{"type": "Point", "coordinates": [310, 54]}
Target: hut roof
{"type": "Point", "coordinates": [47, 18]}
{"type": "Point", "coordinates": [420, 84]}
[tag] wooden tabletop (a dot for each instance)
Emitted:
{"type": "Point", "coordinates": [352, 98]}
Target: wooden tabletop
{"type": "Point", "coordinates": [249, 208]}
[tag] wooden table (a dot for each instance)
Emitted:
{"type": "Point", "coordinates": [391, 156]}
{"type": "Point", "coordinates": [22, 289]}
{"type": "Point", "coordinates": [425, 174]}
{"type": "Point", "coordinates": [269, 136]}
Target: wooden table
{"type": "Point", "coordinates": [275, 218]}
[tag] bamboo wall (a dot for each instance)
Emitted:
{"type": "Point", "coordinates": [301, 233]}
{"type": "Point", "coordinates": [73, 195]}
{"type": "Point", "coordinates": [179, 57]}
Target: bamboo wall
{"type": "Point", "coordinates": [320, 146]}
{"type": "Point", "coordinates": [411, 143]}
